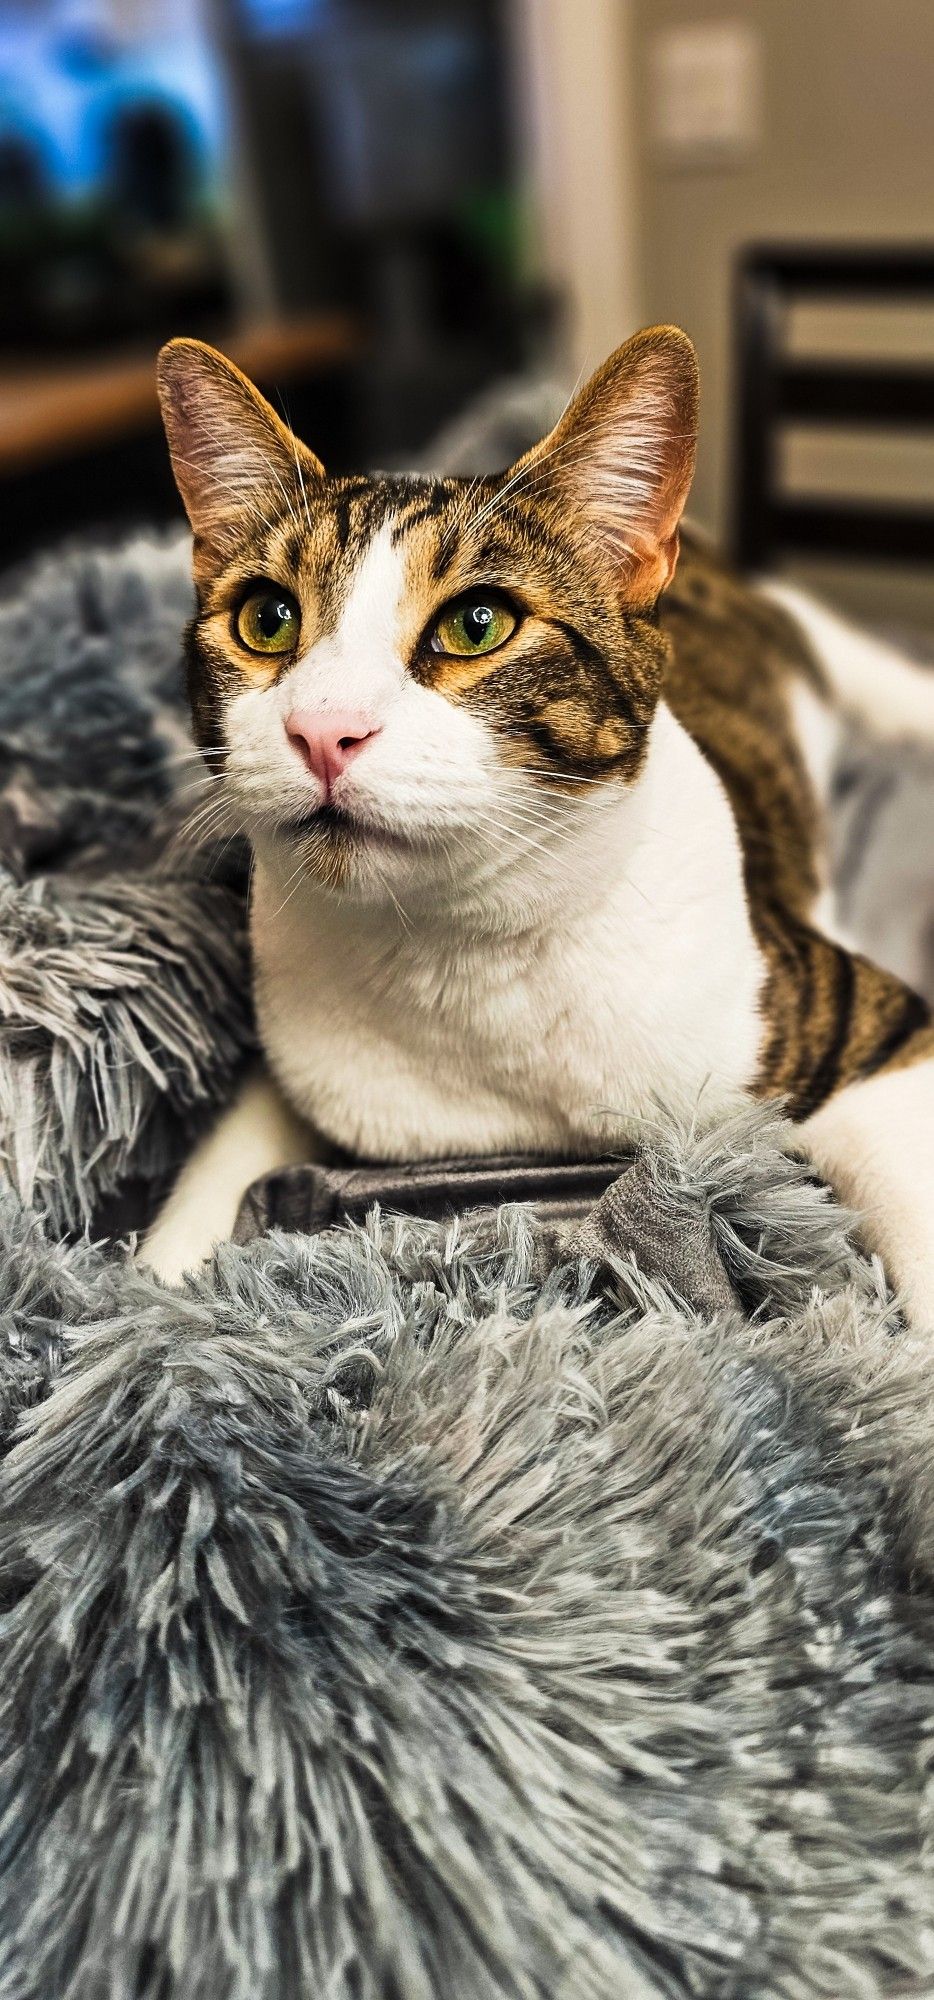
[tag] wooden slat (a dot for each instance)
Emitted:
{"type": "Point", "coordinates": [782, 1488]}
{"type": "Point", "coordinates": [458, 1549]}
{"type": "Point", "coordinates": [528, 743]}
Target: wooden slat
{"type": "Point", "coordinates": [758, 329]}
{"type": "Point", "coordinates": [858, 393]}
{"type": "Point", "coordinates": [843, 528]}
{"type": "Point", "coordinates": [46, 412]}
{"type": "Point", "coordinates": [853, 270]}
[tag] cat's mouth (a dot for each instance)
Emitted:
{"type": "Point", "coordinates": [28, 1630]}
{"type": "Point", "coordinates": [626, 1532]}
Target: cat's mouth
{"type": "Point", "coordinates": [335, 826]}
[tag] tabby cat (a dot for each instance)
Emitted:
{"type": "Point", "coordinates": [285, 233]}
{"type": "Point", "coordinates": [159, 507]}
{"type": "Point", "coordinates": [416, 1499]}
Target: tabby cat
{"type": "Point", "coordinates": [536, 837]}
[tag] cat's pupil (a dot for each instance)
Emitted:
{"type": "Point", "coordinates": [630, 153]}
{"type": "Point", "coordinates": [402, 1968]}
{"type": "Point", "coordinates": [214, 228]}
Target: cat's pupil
{"type": "Point", "coordinates": [272, 613]}
{"type": "Point", "coordinates": [477, 621]}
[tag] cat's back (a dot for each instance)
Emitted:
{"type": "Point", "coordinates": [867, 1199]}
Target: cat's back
{"type": "Point", "coordinates": [737, 673]}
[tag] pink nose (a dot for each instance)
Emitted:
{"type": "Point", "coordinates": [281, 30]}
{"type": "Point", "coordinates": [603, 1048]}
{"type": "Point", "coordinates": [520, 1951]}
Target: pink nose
{"type": "Point", "coordinates": [327, 741]}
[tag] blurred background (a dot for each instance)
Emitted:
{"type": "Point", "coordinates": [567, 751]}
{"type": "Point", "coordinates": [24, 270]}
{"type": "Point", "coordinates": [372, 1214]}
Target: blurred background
{"type": "Point", "coordinates": [393, 212]}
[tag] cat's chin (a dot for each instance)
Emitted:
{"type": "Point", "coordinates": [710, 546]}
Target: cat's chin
{"type": "Point", "coordinates": [333, 823]}
{"type": "Point", "coordinates": [340, 847]}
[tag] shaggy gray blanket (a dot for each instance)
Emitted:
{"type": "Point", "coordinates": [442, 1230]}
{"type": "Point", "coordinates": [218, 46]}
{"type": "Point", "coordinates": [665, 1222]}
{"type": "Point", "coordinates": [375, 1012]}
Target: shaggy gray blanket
{"type": "Point", "coordinates": [413, 1611]}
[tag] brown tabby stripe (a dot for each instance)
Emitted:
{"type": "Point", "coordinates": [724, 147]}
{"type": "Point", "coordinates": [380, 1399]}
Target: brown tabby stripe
{"type": "Point", "coordinates": [831, 1017]}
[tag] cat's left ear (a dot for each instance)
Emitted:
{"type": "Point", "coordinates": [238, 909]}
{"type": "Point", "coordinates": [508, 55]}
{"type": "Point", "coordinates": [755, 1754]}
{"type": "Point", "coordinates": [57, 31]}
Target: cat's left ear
{"type": "Point", "coordinates": [234, 460]}
{"type": "Point", "coordinates": [621, 459]}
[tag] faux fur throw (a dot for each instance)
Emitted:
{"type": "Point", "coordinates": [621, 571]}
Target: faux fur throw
{"type": "Point", "coordinates": [123, 969]}
{"type": "Point", "coordinates": [414, 1611]}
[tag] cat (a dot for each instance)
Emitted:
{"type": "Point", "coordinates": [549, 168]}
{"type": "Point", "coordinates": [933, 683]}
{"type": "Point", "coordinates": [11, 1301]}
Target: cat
{"type": "Point", "coordinates": [533, 812]}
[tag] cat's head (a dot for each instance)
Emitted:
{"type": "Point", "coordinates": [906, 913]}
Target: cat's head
{"type": "Point", "coordinates": [411, 682]}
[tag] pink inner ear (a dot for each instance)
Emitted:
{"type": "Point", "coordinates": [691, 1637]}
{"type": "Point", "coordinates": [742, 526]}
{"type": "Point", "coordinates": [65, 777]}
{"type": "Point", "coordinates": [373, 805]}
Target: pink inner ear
{"type": "Point", "coordinates": [670, 549]}
{"type": "Point", "coordinates": [623, 455]}
{"type": "Point", "coordinates": [228, 446]}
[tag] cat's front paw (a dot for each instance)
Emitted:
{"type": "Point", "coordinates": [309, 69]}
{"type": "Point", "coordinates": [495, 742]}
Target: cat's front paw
{"type": "Point", "coordinates": [173, 1248]}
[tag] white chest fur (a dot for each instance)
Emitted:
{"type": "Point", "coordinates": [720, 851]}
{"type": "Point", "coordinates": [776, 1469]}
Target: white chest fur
{"type": "Point", "coordinates": [638, 983]}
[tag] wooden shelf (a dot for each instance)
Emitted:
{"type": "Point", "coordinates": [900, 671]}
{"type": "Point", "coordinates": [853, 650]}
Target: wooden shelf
{"type": "Point", "coordinates": [48, 411]}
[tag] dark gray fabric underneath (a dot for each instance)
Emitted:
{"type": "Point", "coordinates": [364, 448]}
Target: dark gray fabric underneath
{"type": "Point", "coordinates": [313, 1197]}
{"type": "Point", "coordinates": [605, 1210]}
{"type": "Point", "coordinates": [629, 1223]}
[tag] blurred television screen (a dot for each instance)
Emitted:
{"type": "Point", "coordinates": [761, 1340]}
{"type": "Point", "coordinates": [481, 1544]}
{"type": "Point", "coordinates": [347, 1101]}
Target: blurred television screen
{"type": "Point", "coordinates": [112, 142]}
{"type": "Point", "coordinates": [328, 189]}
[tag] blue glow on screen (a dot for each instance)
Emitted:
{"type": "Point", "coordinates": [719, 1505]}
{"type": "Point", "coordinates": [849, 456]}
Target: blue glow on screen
{"type": "Point", "coordinates": [64, 79]}
{"type": "Point", "coordinates": [282, 17]}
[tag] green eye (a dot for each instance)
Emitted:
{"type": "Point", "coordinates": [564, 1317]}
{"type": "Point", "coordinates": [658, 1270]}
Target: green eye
{"type": "Point", "coordinates": [476, 625]}
{"type": "Point", "coordinates": [267, 621]}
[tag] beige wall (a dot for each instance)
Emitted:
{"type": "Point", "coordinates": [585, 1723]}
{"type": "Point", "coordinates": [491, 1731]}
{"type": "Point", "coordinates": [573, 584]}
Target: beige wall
{"type": "Point", "coordinates": [573, 62]}
{"type": "Point", "coordinates": [846, 150]}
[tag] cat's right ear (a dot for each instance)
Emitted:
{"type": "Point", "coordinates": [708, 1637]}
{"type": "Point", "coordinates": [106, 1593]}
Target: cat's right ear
{"type": "Point", "coordinates": [233, 458]}
{"type": "Point", "coordinates": [621, 459]}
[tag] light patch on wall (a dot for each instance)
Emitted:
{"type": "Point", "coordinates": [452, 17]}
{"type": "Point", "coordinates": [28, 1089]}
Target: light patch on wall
{"type": "Point", "coordinates": [705, 93]}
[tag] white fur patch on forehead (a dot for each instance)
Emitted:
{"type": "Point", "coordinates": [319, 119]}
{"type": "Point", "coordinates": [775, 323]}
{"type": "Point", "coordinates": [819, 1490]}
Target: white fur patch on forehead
{"type": "Point", "coordinates": [361, 662]}
{"type": "Point", "coordinates": [372, 609]}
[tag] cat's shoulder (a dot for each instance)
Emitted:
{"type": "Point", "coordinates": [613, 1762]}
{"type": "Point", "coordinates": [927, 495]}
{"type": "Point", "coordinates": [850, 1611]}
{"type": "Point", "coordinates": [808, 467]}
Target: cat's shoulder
{"type": "Point", "coordinates": [738, 669]}
{"type": "Point", "coordinates": [729, 639]}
